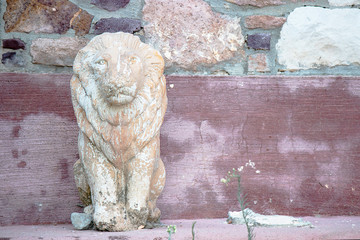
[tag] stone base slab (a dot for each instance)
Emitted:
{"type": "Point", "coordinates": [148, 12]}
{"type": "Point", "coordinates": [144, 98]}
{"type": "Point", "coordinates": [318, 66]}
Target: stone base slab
{"type": "Point", "coordinates": [205, 229]}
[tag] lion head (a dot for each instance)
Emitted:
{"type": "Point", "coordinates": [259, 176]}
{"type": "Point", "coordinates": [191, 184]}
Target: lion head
{"type": "Point", "coordinates": [117, 78]}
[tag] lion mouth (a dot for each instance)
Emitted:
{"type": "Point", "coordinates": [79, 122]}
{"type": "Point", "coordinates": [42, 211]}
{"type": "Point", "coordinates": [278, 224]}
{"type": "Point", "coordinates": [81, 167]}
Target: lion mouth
{"type": "Point", "coordinates": [119, 97]}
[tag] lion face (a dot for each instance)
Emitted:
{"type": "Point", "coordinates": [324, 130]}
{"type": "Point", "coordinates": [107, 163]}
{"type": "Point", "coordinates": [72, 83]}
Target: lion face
{"type": "Point", "coordinates": [119, 74]}
{"type": "Point", "coordinates": [119, 91]}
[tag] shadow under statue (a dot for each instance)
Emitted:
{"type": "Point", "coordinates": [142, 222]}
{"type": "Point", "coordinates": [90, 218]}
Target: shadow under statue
{"type": "Point", "coordinates": [119, 97]}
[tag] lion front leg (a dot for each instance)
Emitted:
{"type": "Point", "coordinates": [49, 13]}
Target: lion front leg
{"type": "Point", "coordinates": [140, 178]}
{"type": "Point", "coordinates": [107, 188]}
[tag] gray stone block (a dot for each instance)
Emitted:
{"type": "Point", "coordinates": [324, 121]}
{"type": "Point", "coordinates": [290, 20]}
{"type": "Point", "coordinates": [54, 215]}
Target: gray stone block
{"type": "Point", "coordinates": [81, 221]}
{"type": "Point", "coordinates": [259, 41]}
{"type": "Point", "coordinates": [112, 25]}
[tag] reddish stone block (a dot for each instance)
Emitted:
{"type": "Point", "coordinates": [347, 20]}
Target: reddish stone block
{"type": "Point", "coordinates": [189, 33]}
{"type": "Point", "coordinates": [58, 52]}
{"type": "Point", "coordinates": [14, 43]}
{"type": "Point", "coordinates": [81, 22]}
{"type": "Point", "coordinates": [258, 62]}
{"type": "Point", "coordinates": [264, 22]}
{"type": "Point", "coordinates": [42, 16]}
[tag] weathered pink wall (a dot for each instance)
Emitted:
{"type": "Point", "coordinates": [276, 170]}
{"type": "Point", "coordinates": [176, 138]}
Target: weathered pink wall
{"type": "Point", "coordinates": [303, 133]}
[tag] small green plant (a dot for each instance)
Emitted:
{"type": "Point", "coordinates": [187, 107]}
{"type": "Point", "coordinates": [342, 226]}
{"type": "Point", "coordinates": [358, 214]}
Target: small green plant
{"type": "Point", "coordinates": [192, 230]}
{"type": "Point", "coordinates": [171, 229]}
{"type": "Point", "coordinates": [241, 196]}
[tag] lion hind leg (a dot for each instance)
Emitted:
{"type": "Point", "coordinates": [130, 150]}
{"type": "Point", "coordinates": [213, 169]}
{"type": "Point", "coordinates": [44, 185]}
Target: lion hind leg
{"type": "Point", "coordinates": [82, 183]}
{"type": "Point", "coordinates": [156, 187]}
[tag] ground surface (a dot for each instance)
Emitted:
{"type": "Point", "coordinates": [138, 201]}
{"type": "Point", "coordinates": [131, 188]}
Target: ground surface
{"type": "Point", "coordinates": [205, 229]}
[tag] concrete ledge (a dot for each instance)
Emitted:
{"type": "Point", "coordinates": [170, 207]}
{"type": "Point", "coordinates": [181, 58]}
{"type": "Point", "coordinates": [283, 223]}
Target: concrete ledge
{"type": "Point", "coordinates": [205, 229]}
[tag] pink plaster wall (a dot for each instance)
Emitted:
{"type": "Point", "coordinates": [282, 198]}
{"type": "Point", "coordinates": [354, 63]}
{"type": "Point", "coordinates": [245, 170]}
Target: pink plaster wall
{"type": "Point", "coordinates": [301, 132]}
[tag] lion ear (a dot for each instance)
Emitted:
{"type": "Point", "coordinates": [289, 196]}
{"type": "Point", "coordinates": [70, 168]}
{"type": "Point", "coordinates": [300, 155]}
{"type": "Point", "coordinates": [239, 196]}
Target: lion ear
{"type": "Point", "coordinates": [156, 62]}
{"type": "Point", "coordinates": [160, 60]}
{"type": "Point", "coordinates": [77, 62]}
{"type": "Point", "coordinates": [82, 60]}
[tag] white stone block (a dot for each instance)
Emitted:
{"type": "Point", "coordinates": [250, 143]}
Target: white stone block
{"type": "Point", "coordinates": [313, 37]}
{"type": "Point", "coordinates": [341, 3]}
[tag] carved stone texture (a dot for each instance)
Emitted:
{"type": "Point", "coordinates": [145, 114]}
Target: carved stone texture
{"type": "Point", "coordinates": [188, 32]}
{"type": "Point", "coordinates": [112, 25]}
{"type": "Point", "coordinates": [44, 16]}
{"type": "Point", "coordinates": [119, 98]}
{"type": "Point", "coordinates": [59, 52]}
{"type": "Point", "coordinates": [110, 5]}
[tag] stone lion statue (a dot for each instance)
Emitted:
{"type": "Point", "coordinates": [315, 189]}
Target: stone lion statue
{"type": "Point", "coordinates": [119, 96]}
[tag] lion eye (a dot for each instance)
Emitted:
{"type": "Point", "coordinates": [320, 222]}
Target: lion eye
{"type": "Point", "coordinates": [133, 60]}
{"type": "Point", "coordinates": [101, 62]}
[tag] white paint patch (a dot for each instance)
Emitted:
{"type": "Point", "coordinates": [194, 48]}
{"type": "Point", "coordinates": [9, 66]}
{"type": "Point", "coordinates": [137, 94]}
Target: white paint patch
{"type": "Point", "coordinates": [354, 87]}
{"type": "Point", "coordinates": [201, 156]}
{"type": "Point", "coordinates": [314, 36]}
{"type": "Point", "coordinates": [295, 84]}
{"type": "Point", "coordinates": [296, 144]}
{"type": "Point", "coordinates": [341, 3]}
{"type": "Point", "coordinates": [180, 130]}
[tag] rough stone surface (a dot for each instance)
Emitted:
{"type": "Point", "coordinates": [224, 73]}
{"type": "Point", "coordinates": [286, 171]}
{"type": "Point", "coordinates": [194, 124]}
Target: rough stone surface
{"type": "Point", "coordinates": [340, 3]}
{"type": "Point", "coordinates": [119, 96]}
{"type": "Point", "coordinates": [255, 219]}
{"type": "Point", "coordinates": [189, 33]}
{"type": "Point", "coordinates": [14, 43]}
{"type": "Point", "coordinates": [110, 5]}
{"type": "Point", "coordinates": [264, 22]}
{"type": "Point", "coordinates": [81, 22]}
{"type": "Point", "coordinates": [12, 59]}
{"type": "Point", "coordinates": [257, 3]}
{"type": "Point", "coordinates": [81, 221]}
{"type": "Point", "coordinates": [328, 37]}
{"type": "Point", "coordinates": [59, 52]}
{"type": "Point", "coordinates": [41, 16]}
{"type": "Point", "coordinates": [259, 41]}
{"type": "Point", "coordinates": [258, 62]}
{"type": "Point", "coordinates": [113, 25]}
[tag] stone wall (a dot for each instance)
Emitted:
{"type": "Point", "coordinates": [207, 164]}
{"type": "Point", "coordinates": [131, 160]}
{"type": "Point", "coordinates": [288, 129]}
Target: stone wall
{"type": "Point", "coordinates": [196, 37]}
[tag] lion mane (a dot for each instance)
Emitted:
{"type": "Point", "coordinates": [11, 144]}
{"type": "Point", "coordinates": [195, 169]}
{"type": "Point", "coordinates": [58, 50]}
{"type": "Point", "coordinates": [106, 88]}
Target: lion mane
{"type": "Point", "coordinates": [119, 131]}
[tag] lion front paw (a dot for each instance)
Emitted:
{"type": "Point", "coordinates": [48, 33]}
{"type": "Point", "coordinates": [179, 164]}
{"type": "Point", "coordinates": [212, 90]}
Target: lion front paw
{"type": "Point", "coordinates": [111, 218]}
